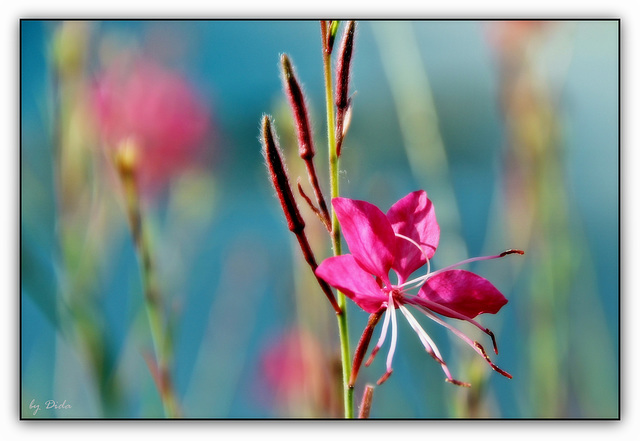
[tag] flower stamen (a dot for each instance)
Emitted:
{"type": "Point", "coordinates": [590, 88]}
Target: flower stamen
{"type": "Point", "coordinates": [427, 342]}
{"type": "Point", "coordinates": [474, 344]}
{"type": "Point", "coordinates": [394, 339]}
{"type": "Point", "coordinates": [472, 259]}
{"type": "Point", "coordinates": [425, 305]}
{"type": "Point", "coordinates": [383, 335]}
{"type": "Point", "coordinates": [486, 357]}
{"type": "Point", "coordinates": [378, 252]}
{"type": "Point", "coordinates": [430, 346]}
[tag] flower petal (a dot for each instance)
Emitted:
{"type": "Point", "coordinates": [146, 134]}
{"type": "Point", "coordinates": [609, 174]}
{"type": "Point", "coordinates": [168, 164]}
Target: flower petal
{"type": "Point", "coordinates": [345, 274]}
{"type": "Point", "coordinates": [369, 235]}
{"type": "Point", "coordinates": [413, 216]}
{"type": "Point", "coordinates": [463, 292]}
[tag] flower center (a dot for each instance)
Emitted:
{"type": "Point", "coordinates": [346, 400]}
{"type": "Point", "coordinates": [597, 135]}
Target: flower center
{"type": "Point", "coordinates": [398, 296]}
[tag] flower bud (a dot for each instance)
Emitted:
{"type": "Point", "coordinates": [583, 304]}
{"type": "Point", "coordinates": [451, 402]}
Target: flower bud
{"type": "Point", "coordinates": [296, 101]}
{"type": "Point", "coordinates": [279, 178]}
{"type": "Point", "coordinates": [343, 68]}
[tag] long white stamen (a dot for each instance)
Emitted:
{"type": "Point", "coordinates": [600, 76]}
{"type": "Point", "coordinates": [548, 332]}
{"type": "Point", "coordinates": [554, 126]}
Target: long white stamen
{"type": "Point", "coordinates": [428, 343]}
{"type": "Point", "coordinates": [419, 248]}
{"type": "Point", "coordinates": [422, 334]}
{"type": "Point", "coordinates": [383, 335]}
{"type": "Point", "coordinates": [420, 280]}
{"type": "Point", "coordinates": [394, 332]}
{"type": "Point", "coordinates": [448, 326]}
{"type": "Point", "coordinates": [425, 304]}
{"type": "Point", "coordinates": [475, 345]}
{"type": "Point", "coordinates": [475, 259]}
{"type": "Point", "coordinates": [423, 254]}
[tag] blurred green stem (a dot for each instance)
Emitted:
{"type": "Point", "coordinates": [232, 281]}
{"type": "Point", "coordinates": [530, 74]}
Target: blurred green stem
{"type": "Point", "coordinates": [335, 238]}
{"type": "Point", "coordinates": [152, 299]}
{"type": "Point", "coordinates": [78, 203]}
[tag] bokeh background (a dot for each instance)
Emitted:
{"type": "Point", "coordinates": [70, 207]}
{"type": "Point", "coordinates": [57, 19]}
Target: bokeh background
{"type": "Point", "coordinates": [511, 127]}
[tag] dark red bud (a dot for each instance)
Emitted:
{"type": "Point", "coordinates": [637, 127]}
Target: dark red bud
{"type": "Point", "coordinates": [329, 29]}
{"type": "Point", "coordinates": [344, 63]}
{"type": "Point", "coordinates": [363, 344]}
{"type": "Point", "coordinates": [297, 103]}
{"type": "Point", "coordinates": [365, 404]}
{"type": "Point", "coordinates": [279, 178]}
{"type": "Point", "coordinates": [280, 182]}
{"type": "Point", "coordinates": [303, 129]}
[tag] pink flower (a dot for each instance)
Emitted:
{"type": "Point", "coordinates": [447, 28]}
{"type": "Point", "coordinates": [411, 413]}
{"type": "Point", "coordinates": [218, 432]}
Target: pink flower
{"type": "Point", "coordinates": [157, 110]}
{"type": "Point", "coordinates": [298, 374]}
{"type": "Point", "coordinates": [510, 36]}
{"type": "Point", "coordinates": [404, 240]}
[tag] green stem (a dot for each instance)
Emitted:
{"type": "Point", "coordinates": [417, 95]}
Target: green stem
{"type": "Point", "coordinates": [335, 239]}
{"type": "Point", "coordinates": [152, 299]}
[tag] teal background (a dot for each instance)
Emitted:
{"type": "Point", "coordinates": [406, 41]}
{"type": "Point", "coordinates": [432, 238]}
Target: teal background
{"type": "Point", "coordinates": [237, 274]}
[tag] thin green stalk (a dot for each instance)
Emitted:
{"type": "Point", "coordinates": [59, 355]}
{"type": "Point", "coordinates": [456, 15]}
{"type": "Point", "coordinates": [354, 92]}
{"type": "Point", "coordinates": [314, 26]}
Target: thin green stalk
{"type": "Point", "coordinates": [335, 239]}
{"type": "Point", "coordinates": [161, 345]}
{"type": "Point", "coordinates": [152, 299]}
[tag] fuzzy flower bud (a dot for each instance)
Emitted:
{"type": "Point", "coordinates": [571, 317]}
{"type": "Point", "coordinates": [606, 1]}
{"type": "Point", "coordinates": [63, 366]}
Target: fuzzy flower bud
{"type": "Point", "coordinates": [343, 102]}
{"type": "Point", "coordinates": [296, 101]}
{"type": "Point", "coordinates": [279, 178]}
{"type": "Point", "coordinates": [344, 63]}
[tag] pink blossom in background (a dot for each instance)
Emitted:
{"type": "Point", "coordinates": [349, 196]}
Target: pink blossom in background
{"type": "Point", "coordinates": [297, 374]}
{"type": "Point", "coordinates": [509, 36]}
{"type": "Point", "coordinates": [404, 240]}
{"type": "Point", "coordinates": [157, 109]}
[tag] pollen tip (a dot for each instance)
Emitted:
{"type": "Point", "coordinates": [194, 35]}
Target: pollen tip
{"type": "Point", "coordinates": [436, 358]}
{"type": "Point", "coordinates": [384, 377]}
{"type": "Point", "coordinates": [491, 363]}
{"type": "Point", "coordinates": [493, 340]}
{"type": "Point", "coordinates": [511, 251]}
{"type": "Point", "coordinates": [372, 356]}
{"type": "Point", "coordinates": [457, 382]}
{"type": "Point", "coordinates": [501, 371]}
{"type": "Point", "coordinates": [286, 65]}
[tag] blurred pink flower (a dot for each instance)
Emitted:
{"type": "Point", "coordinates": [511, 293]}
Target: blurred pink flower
{"type": "Point", "coordinates": [508, 36]}
{"type": "Point", "coordinates": [298, 374]}
{"type": "Point", "coordinates": [404, 240]}
{"type": "Point", "coordinates": [156, 109]}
